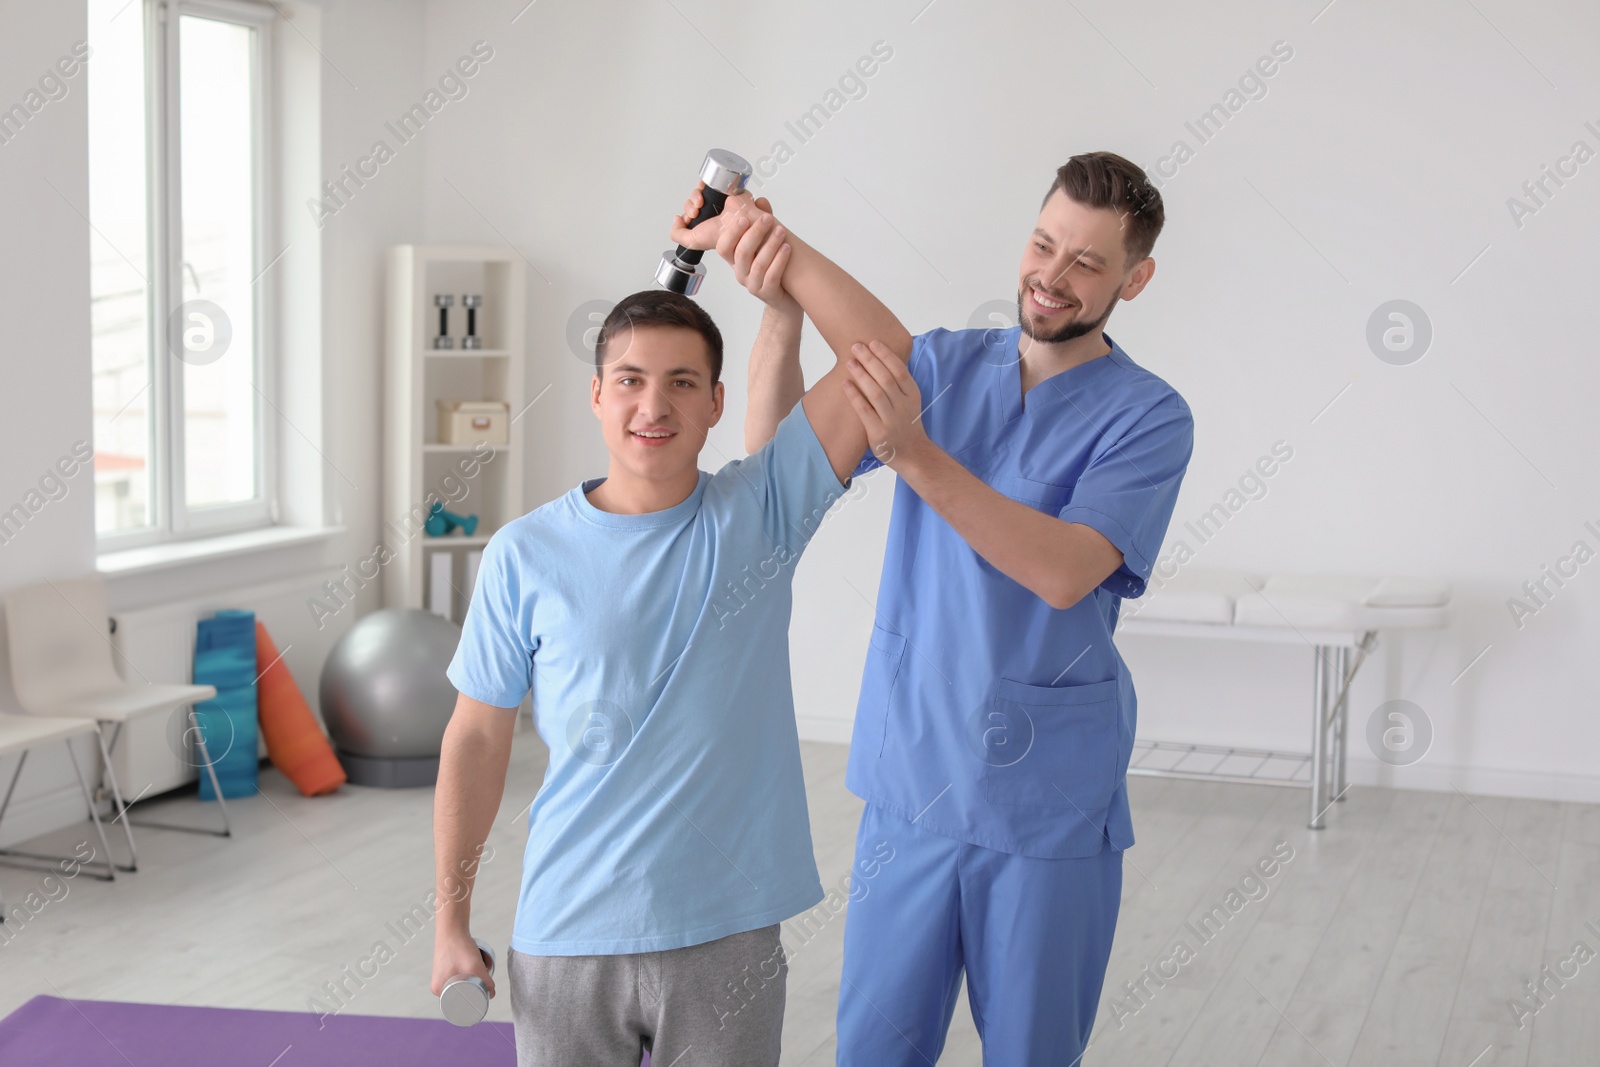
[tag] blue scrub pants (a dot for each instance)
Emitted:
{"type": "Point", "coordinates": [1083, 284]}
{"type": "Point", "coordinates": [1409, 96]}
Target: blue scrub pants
{"type": "Point", "coordinates": [1032, 934]}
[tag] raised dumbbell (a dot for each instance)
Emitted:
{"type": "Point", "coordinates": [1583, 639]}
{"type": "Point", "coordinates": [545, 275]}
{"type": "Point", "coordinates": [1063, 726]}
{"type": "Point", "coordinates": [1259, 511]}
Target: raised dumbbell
{"type": "Point", "coordinates": [724, 174]}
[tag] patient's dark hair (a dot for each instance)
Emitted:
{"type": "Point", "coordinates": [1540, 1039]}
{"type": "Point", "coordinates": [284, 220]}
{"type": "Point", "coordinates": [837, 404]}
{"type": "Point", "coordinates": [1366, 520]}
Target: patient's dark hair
{"type": "Point", "coordinates": [659, 307]}
{"type": "Point", "coordinates": [1104, 179]}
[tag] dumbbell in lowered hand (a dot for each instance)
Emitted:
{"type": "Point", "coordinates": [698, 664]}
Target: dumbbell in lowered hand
{"type": "Point", "coordinates": [724, 174]}
{"type": "Point", "coordinates": [465, 999]}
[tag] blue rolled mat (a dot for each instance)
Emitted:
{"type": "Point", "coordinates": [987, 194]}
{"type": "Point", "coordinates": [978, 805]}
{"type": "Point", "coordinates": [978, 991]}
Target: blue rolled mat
{"type": "Point", "coordinates": [225, 657]}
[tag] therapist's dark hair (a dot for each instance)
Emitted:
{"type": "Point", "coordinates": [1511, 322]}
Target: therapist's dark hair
{"type": "Point", "coordinates": [659, 307]}
{"type": "Point", "coordinates": [1106, 180]}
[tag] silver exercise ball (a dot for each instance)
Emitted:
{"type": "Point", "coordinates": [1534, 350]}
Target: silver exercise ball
{"type": "Point", "coordinates": [385, 697]}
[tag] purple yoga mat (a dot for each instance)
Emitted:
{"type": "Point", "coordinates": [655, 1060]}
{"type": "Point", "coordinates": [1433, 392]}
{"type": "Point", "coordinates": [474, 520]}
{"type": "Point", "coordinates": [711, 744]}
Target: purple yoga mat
{"type": "Point", "coordinates": [52, 1032]}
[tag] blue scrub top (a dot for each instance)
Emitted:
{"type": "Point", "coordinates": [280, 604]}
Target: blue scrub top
{"type": "Point", "coordinates": [985, 714]}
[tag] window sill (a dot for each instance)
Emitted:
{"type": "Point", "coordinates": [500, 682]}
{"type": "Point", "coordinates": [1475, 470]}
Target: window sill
{"type": "Point", "coordinates": [205, 549]}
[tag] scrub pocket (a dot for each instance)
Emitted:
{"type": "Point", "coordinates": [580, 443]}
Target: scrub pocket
{"type": "Point", "coordinates": [1041, 496]}
{"type": "Point", "coordinates": [1050, 747]}
{"type": "Point", "coordinates": [877, 686]}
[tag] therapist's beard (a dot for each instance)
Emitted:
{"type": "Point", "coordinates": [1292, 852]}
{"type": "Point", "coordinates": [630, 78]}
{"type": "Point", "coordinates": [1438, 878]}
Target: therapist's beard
{"type": "Point", "coordinates": [1070, 332]}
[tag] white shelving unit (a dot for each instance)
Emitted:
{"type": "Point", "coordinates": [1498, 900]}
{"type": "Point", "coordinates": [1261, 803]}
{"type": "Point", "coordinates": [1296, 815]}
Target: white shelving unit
{"type": "Point", "coordinates": [417, 467]}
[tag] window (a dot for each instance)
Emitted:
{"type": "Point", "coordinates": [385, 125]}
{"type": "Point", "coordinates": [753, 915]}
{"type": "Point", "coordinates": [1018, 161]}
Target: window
{"type": "Point", "coordinates": [180, 353]}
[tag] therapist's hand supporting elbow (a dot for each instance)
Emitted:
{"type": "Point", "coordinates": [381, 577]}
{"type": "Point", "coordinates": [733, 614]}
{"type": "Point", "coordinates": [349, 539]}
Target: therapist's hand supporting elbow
{"type": "Point", "coordinates": [1060, 562]}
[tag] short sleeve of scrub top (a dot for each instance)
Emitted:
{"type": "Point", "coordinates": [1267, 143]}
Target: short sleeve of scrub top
{"type": "Point", "coordinates": [1128, 491]}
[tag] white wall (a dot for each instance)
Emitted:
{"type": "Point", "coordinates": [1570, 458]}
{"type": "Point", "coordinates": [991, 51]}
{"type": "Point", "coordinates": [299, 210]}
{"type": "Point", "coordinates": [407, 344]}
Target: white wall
{"type": "Point", "coordinates": [44, 276]}
{"type": "Point", "coordinates": [1377, 166]}
{"type": "Point", "coordinates": [44, 369]}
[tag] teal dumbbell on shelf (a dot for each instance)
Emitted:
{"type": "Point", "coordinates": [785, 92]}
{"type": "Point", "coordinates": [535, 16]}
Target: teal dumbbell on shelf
{"type": "Point", "coordinates": [441, 522]}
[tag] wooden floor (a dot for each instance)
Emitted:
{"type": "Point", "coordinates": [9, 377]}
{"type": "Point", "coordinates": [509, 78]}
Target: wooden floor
{"type": "Point", "coordinates": [1398, 936]}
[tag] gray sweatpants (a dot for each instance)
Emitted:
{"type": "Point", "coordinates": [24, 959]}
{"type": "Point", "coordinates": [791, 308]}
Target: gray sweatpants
{"type": "Point", "coordinates": [719, 1004]}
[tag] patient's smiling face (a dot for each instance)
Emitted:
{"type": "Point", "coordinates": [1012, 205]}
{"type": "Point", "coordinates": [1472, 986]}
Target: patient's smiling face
{"type": "Point", "coordinates": [655, 401]}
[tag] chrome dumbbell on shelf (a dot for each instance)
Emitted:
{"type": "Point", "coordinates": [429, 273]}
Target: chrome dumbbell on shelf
{"type": "Point", "coordinates": [472, 302]}
{"type": "Point", "coordinates": [442, 301]}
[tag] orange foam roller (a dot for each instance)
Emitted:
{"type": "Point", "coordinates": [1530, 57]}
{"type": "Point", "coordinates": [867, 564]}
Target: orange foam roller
{"type": "Point", "coordinates": [295, 742]}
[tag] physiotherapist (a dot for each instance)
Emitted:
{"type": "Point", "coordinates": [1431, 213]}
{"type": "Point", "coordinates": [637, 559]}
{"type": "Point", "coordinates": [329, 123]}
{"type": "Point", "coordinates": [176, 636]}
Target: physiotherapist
{"type": "Point", "coordinates": [1038, 468]}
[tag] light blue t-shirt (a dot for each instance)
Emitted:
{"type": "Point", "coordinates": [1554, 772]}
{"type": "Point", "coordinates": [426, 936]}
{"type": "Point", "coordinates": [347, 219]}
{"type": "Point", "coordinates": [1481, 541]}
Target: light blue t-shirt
{"type": "Point", "coordinates": [656, 647]}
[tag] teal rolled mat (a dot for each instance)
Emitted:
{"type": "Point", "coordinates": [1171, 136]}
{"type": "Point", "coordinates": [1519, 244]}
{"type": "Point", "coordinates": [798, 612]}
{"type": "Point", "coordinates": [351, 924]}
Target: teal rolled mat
{"type": "Point", "coordinates": [225, 657]}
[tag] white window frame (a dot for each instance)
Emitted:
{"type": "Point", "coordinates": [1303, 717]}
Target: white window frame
{"type": "Point", "coordinates": [171, 518]}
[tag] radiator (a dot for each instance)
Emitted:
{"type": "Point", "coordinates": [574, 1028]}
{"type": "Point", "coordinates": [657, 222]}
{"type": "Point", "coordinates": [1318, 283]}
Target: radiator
{"type": "Point", "coordinates": [156, 644]}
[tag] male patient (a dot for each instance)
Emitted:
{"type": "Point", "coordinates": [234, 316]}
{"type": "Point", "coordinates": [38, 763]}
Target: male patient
{"type": "Point", "coordinates": [670, 836]}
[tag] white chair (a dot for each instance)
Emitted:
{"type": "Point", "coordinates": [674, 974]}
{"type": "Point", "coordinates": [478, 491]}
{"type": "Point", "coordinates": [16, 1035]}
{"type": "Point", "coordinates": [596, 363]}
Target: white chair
{"type": "Point", "coordinates": [22, 733]}
{"type": "Point", "coordinates": [61, 667]}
